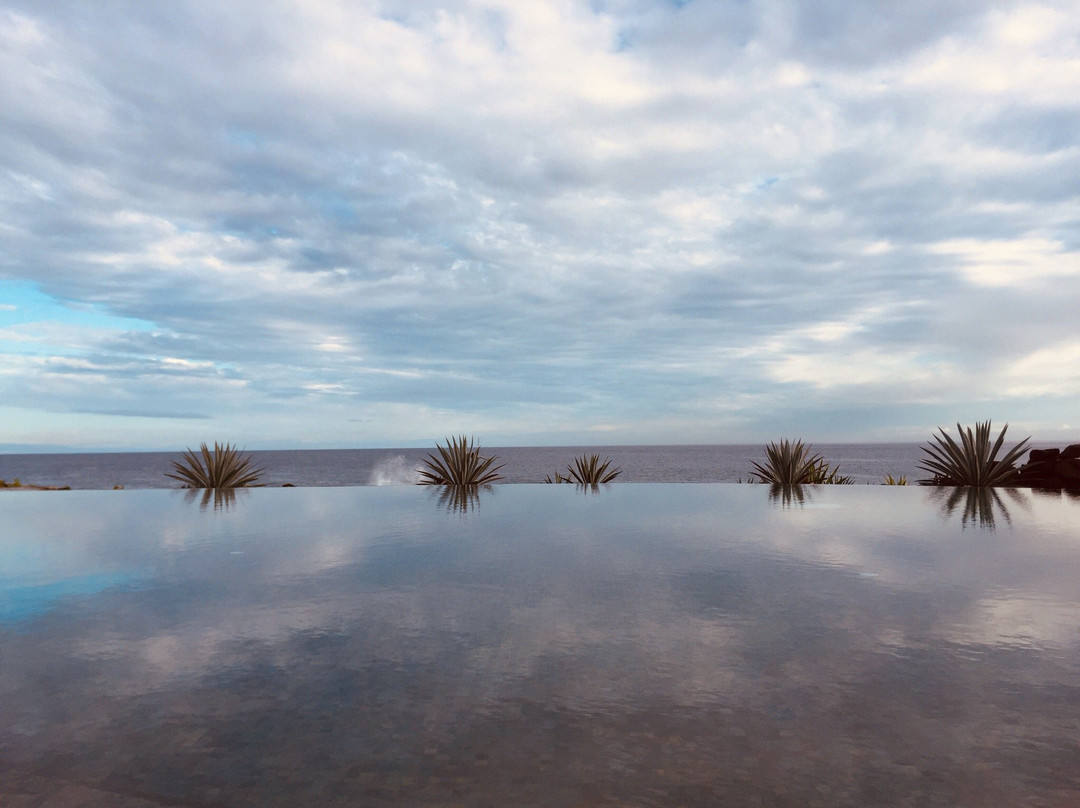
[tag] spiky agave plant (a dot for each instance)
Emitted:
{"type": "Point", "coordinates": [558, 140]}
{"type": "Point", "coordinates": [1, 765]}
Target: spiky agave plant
{"type": "Point", "coordinates": [588, 470]}
{"type": "Point", "coordinates": [459, 463]}
{"type": "Point", "coordinates": [224, 467]}
{"type": "Point", "coordinates": [792, 463]}
{"type": "Point", "coordinates": [824, 474]}
{"type": "Point", "coordinates": [971, 461]}
{"type": "Point", "coordinates": [548, 479]}
{"type": "Point", "coordinates": [788, 463]}
{"type": "Point", "coordinates": [890, 480]}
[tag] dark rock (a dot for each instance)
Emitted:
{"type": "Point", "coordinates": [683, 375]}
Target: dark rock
{"type": "Point", "coordinates": [1069, 469]}
{"type": "Point", "coordinates": [1037, 467]}
{"type": "Point", "coordinates": [1050, 468]}
{"type": "Point", "coordinates": [1043, 454]}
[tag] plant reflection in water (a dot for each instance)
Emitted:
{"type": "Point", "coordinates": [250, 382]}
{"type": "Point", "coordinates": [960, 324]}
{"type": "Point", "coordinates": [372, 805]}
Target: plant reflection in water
{"type": "Point", "coordinates": [978, 506]}
{"type": "Point", "coordinates": [787, 496]}
{"type": "Point", "coordinates": [222, 498]}
{"type": "Point", "coordinates": [461, 499]}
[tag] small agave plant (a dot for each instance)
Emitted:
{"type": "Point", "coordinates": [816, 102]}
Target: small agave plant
{"type": "Point", "coordinates": [971, 461]}
{"type": "Point", "coordinates": [224, 467]}
{"type": "Point", "coordinates": [559, 478]}
{"type": "Point", "coordinates": [791, 463]}
{"type": "Point", "coordinates": [459, 463]}
{"type": "Point", "coordinates": [587, 470]}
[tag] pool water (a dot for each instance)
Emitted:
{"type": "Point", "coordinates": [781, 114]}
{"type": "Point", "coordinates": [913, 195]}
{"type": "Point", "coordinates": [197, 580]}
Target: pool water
{"type": "Point", "coordinates": [640, 645]}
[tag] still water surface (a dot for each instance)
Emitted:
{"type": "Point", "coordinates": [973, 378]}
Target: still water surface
{"type": "Point", "coordinates": [649, 645]}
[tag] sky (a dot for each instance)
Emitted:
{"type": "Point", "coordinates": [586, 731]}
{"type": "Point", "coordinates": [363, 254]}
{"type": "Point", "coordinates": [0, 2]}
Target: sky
{"type": "Point", "coordinates": [537, 222]}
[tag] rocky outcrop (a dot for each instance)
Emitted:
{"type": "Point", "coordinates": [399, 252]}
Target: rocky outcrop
{"type": "Point", "coordinates": [1051, 468]}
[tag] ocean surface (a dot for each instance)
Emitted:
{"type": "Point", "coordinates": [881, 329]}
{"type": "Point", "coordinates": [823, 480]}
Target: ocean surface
{"type": "Point", "coordinates": [866, 463]}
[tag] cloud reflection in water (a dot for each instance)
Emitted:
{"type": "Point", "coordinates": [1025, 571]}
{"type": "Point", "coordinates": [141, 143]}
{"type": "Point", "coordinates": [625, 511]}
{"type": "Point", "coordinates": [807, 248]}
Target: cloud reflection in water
{"type": "Point", "coordinates": [551, 647]}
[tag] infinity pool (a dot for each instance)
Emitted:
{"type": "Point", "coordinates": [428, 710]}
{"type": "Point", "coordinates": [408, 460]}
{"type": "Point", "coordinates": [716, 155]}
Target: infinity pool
{"type": "Point", "coordinates": [644, 645]}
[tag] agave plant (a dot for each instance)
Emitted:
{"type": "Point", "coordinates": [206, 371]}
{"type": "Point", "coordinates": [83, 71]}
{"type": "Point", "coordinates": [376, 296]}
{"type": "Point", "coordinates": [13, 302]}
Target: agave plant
{"type": "Point", "coordinates": [890, 480]}
{"type": "Point", "coordinates": [459, 463]}
{"type": "Point", "coordinates": [557, 479]}
{"type": "Point", "coordinates": [787, 463]}
{"type": "Point", "coordinates": [224, 467]}
{"type": "Point", "coordinates": [824, 474]}
{"type": "Point", "coordinates": [791, 463]}
{"type": "Point", "coordinates": [587, 470]}
{"type": "Point", "coordinates": [973, 461]}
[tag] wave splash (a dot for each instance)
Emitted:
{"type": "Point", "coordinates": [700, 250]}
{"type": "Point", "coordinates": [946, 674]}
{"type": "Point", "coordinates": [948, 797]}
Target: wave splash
{"type": "Point", "coordinates": [394, 471]}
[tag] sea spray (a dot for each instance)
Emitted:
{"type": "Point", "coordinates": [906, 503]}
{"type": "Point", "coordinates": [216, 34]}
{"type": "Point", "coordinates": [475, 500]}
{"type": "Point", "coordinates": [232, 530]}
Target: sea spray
{"type": "Point", "coordinates": [394, 471]}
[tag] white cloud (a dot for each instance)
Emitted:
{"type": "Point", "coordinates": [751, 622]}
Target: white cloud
{"type": "Point", "coordinates": [1016, 262]}
{"type": "Point", "coordinates": [610, 215]}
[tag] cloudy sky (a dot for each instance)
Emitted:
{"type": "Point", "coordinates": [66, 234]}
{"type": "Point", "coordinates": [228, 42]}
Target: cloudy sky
{"type": "Point", "coordinates": [376, 223]}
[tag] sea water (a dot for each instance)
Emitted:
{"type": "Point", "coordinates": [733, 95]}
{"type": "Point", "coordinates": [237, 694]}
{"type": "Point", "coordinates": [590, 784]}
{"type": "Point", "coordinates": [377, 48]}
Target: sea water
{"type": "Point", "coordinates": [865, 462]}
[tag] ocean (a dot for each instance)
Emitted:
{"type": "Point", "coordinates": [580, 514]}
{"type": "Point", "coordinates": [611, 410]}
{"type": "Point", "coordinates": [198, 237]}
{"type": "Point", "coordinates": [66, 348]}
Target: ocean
{"type": "Point", "coordinates": [865, 462]}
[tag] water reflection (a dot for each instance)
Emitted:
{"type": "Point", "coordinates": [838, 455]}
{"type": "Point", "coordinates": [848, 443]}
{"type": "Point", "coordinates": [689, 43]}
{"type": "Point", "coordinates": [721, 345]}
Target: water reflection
{"type": "Point", "coordinates": [978, 506]}
{"type": "Point", "coordinates": [695, 644]}
{"type": "Point", "coordinates": [788, 495]}
{"type": "Point", "coordinates": [220, 498]}
{"type": "Point", "coordinates": [460, 499]}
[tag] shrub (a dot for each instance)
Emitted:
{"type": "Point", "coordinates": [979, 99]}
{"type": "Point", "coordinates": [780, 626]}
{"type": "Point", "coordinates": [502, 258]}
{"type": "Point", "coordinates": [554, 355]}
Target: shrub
{"type": "Point", "coordinates": [459, 463]}
{"type": "Point", "coordinates": [972, 461]}
{"type": "Point", "coordinates": [890, 480]}
{"type": "Point", "coordinates": [224, 467]}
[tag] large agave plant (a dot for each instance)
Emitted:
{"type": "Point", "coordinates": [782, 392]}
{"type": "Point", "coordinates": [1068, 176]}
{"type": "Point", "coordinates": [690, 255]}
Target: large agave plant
{"type": "Point", "coordinates": [587, 470]}
{"type": "Point", "coordinates": [459, 463]}
{"type": "Point", "coordinates": [971, 461]}
{"type": "Point", "coordinates": [791, 463]}
{"type": "Point", "coordinates": [224, 467]}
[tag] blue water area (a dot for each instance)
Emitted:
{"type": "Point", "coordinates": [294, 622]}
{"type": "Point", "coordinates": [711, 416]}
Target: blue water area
{"type": "Point", "coordinates": [22, 601]}
{"type": "Point", "coordinates": [531, 645]}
